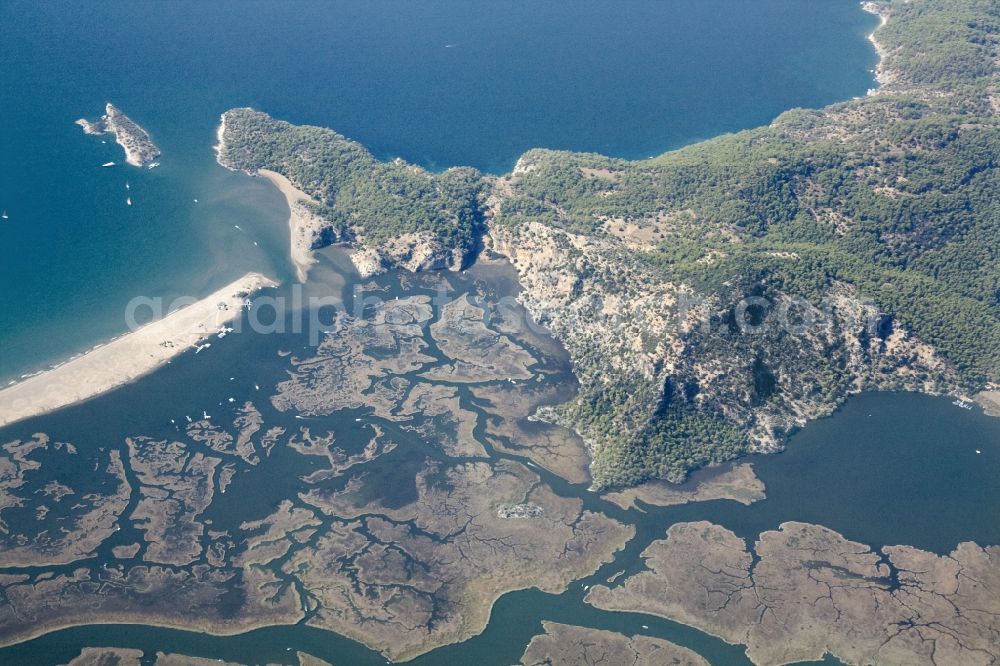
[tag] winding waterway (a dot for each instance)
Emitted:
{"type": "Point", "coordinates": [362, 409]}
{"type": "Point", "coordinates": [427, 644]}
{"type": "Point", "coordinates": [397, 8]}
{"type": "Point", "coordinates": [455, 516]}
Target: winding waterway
{"type": "Point", "coordinates": [885, 469]}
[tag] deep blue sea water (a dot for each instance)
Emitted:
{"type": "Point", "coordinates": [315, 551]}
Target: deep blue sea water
{"type": "Point", "coordinates": [438, 83]}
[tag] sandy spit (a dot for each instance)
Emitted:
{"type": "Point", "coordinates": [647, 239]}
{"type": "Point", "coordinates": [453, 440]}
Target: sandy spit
{"type": "Point", "coordinates": [130, 356]}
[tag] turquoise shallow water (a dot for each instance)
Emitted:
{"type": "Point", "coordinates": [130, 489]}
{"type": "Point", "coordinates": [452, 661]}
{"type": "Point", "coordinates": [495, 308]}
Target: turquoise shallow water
{"type": "Point", "coordinates": [440, 84]}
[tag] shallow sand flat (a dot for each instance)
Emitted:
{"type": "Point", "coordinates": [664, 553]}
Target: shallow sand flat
{"type": "Point", "coordinates": [989, 401]}
{"type": "Point", "coordinates": [129, 357]}
{"type": "Point", "coordinates": [301, 223]}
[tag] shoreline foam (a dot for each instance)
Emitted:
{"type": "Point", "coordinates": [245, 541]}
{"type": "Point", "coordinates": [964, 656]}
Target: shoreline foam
{"type": "Point", "coordinates": [220, 144]}
{"type": "Point", "coordinates": [128, 357]}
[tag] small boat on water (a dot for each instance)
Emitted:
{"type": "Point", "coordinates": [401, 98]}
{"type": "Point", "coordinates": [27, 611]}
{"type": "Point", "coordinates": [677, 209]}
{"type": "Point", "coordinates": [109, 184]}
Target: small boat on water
{"type": "Point", "coordinates": [128, 201]}
{"type": "Point", "coordinates": [5, 216]}
{"type": "Point", "coordinates": [127, 187]}
{"type": "Point", "coordinates": [108, 164]}
{"type": "Point", "coordinates": [153, 165]}
{"type": "Point", "coordinates": [961, 403]}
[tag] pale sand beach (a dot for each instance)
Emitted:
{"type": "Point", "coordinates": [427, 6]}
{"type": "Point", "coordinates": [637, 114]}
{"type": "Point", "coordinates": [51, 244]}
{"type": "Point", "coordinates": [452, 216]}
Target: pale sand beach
{"type": "Point", "coordinates": [130, 356]}
{"type": "Point", "coordinates": [301, 223]}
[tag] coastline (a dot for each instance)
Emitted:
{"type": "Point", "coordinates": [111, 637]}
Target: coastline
{"type": "Point", "coordinates": [220, 142]}
{"type": "Point", "coordinates": [882, 75]}
{"type": "Point", "coordinates": [301, 223]}
{"type": "Point", "coordinates": [571, 603]}
{"type": "Point", "coordinates": [217, 629]}
{"type": "Point", "coordinates": [128, 357]}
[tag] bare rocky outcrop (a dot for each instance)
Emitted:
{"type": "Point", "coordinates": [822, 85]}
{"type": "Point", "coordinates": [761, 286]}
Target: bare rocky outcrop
{"type": "Point", "coordinates": [413, 252]}
{"type": "Point", "coordinates": [618, 319]}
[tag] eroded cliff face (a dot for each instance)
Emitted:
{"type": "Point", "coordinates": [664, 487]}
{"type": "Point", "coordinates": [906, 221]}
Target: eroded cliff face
{"type": "Point", "coordinates": [316, 232]}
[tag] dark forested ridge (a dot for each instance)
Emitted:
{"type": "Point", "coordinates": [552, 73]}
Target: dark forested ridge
{"type": "Point", "coordinates": [886, 206]}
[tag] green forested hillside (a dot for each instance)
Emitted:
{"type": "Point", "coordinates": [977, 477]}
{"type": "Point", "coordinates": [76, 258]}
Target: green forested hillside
{"type": "Point", "coordinates": [896, 194]}
{"type": "Point", "coordinates": [887, 204]}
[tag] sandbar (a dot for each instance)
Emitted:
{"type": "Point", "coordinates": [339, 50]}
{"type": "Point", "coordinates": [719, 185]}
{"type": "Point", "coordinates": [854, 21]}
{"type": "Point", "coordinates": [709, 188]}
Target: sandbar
{"type": "Point", "coordinates": [128, 357]}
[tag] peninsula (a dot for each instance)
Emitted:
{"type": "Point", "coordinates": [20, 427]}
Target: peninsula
{"type": "Point", "coordinates": [716, 298]}
{"type": "Point", "coordinates": [392, 213]}
{"type": "Point", "coordinates": [128, 357]}
{"type": "Point", "coordinates": [139, 147]}
{"type": "Point", "coordinates": [566, 645]}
